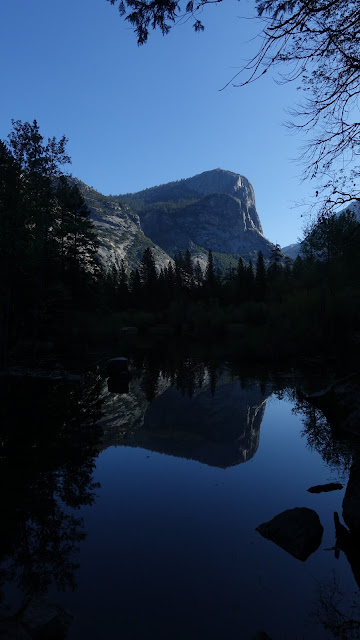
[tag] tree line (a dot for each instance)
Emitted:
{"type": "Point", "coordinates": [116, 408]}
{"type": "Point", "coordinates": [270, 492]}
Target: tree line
{"type": "Point", "coordinates": [53, 284]}
{"type": "Point", "coordinates": [48, 247]}
{"type": "Point", "coordinates": [274, 308]}
{"type": "Point", "coordinates": [183, 280]}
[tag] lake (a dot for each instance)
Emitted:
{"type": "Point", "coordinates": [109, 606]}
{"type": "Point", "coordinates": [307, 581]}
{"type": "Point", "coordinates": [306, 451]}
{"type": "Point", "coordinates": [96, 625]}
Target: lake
{"type": "Point", "coordinates": [136, 509]}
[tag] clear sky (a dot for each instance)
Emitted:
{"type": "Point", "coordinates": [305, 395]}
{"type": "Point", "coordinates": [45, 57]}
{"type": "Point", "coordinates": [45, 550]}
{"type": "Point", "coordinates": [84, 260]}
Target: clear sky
{"type": "Point", "coordinates": [141, 116]}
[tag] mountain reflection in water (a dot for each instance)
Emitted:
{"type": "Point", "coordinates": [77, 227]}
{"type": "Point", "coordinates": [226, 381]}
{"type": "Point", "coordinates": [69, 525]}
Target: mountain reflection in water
{"type": "Point", "coordinates": [221, 430]}
{"type": "Point", "coordinates": [168, 544]}
{"type": "Point", "coordinates": [214, 419]}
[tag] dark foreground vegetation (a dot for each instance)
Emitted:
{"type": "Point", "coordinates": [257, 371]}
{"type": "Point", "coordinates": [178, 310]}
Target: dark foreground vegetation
{"type": "Point", "coordinates": [56, 296]}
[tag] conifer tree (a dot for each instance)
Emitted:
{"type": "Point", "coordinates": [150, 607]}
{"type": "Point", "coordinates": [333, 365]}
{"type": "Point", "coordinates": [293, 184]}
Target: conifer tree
{"type": "Point", "coordinates": [198, 275]}
{"type": "Point", "coordinates": [147, 271]}
{"type": "Point", "coordinates": [260, 277]}
{"type": "Point", "coordinates": [275, 262]}
{"type": "Point", "coordinates": [210, 276]}
{"type": "Point", "coordinates": [188, 265]}
{"type": "Point", "coordinates": [75, 230]}
{"type": "Point", "coordinates": [135, 288]}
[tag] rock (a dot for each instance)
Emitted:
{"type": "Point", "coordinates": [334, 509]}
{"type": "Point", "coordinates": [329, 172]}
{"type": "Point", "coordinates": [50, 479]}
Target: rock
{"type": "Point", "coordinates": [46, 620]}
{"type": "Point", "coordinates": [348, 542]}
{"type": "Point", "coordinates": [351, 502]}
{"type": "Point", "coordinates": [298, 531]}
{"type": "Point", "coordinates": [118, 230]}
{"type": "Point", "coordinates": [220, 221]}
{"type": "Point", "coordinates": [213, 210]}
{"type": "Point", "coordinates": [330, 486]}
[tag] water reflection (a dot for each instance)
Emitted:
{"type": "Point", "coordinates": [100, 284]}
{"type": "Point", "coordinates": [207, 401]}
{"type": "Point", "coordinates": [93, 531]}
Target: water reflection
{"type": "Point", "coordinates": [335, 612]}
{"type": "Point", "coordinates": [189, 409]}
{"type": "Point", "coordinates": [49, 440]}
{"type": "Point", "coordinates": [163, 525]}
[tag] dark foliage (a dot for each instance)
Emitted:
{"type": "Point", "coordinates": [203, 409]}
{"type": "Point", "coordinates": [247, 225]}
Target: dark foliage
{"type": "Point", "coordinates": [48, 245]}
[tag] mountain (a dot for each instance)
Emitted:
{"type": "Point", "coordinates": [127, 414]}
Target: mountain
{"type": "Point", "coordinates": [213, 210]}
{"type": "Point", "coordinates": [292, 250]}
{"type": "Point", "coordinates": [119, 230]}
{"type": "Point", "coordinates": [219, 430]}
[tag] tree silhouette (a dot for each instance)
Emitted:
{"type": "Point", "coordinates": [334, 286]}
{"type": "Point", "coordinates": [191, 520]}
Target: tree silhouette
{"type": "Point", "coordinates": [315, 41]}
{"type": "Point", "coordinates": [49, 470]}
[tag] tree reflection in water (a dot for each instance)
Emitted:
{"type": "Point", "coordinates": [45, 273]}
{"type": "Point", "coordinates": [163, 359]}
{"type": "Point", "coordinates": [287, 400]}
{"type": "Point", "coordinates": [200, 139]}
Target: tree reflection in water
{"type": "Point", "coordinates": [186, 374]}
{"type": "Point", "coordinates": [49, 437]}
{"type": "Point", "coordinates": [339, 616]}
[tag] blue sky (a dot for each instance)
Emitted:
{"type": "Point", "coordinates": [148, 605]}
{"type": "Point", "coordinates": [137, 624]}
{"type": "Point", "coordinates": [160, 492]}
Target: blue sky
{"type": "Point", "coordinates": [140, 116]}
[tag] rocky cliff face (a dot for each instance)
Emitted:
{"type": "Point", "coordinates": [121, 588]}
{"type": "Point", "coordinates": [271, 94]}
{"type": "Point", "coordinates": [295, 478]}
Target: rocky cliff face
{"type": "Point", "coordinates": [213, 210]}
{"type": "Point", "coordinates": [119, 231]}
{"type": "Point", "coordinates": [219, 222]}
{"type": "Point", "coordinates": [220, 430]}
{"type": "Point", "coordinates": [232, 184]}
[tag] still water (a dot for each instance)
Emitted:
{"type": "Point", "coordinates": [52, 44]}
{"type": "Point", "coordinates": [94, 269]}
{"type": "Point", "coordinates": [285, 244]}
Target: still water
{"type": "Point", "coordinates": [157, 510]}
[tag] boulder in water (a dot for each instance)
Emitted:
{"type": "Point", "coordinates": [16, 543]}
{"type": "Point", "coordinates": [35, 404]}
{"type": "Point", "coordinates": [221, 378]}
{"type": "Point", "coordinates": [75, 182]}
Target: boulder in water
{"type": "Point", "coordinates": [298, 531]}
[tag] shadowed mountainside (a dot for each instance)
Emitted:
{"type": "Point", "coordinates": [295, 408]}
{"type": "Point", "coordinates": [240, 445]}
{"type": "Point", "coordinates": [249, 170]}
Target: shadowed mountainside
{"type": "Point", "coordinates": [213, 210]}
{"type": "Point", "coordinates": [220, 429]}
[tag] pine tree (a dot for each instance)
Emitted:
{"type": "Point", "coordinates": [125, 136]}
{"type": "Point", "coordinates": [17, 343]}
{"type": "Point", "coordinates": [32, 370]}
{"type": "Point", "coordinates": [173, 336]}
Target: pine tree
{"type": "Point", "coordinates": [148, 273]}
{"type": "Point", "coordinates": [275, 262]}
{"type": "Point", "coordinates": [188, 265]}
{"type": "Point", "coordinates": [198, 275]}
{"type": "Point", "coordinates": [14, 244]}
{"type": "Point", "coordinates": [249, 280]}
{"type": "Point", "coordinates": [260, 277]}
{"type": "Point", "coordinates": [135, 288]}
{"type": "Point", "coordinates": [75, 231]}
{"type": "Point", "coordinates": [210, 276]}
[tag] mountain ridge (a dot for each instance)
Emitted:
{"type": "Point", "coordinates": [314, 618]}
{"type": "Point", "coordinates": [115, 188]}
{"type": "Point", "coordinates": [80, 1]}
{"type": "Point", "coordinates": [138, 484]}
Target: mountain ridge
{"type": "Point", "coordinates": [212, 210]}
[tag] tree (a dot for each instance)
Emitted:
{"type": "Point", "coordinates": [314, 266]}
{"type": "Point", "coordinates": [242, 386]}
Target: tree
{"type": "Point", "coordinates": [148, 273]}
{"type": "Point", "coordinates": [14, 240]}
{"type": "Point", "coordinates": [332, 237]}
{"type": "Point", "coordinates": [316, 41]}
{"type": "Point", "coordinates": [29, 166]}
{"type": "Point", "coordinates": [123, 289]}
{"type": "Point", "coordinates": [198, 274]}
{"type": "Point", "coordinates": [320, 41]}
{"type": "Point", "coordinates": [39, 163]}
{"type": "Point", "coordinates": [210, 276]}
{"type": "Point", "coordinates": [48, 244]}
{"type": "Point", "coordinates": [135, 288]}
{"type": "Point", "coordinates": [188, 265]}
{"type": "Point", "coordinates": [275, 262]}
{"type": "Point", "coordinates": [249, 280]}
{"type": "Point", "coordinates": [260, 277]}
{"type": "Point", "coordinates": [75, 230]}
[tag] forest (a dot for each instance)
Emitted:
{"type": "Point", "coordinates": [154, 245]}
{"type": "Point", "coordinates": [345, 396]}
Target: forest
{"type": "Point", "coordinates": [57, 297]}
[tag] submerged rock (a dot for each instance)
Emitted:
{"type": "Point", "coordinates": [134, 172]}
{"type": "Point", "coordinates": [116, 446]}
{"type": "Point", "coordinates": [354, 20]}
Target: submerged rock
{"type": "Point", "coordinates": [330, 486]}
{"type": "Point", "coordinates": [298, 531]}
